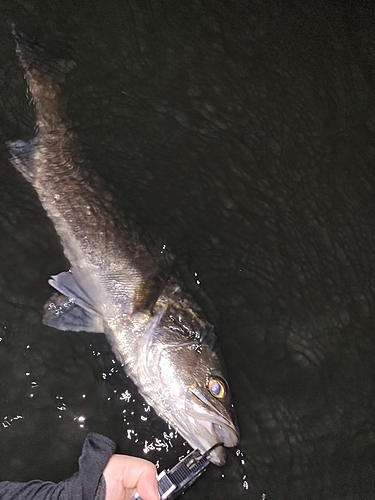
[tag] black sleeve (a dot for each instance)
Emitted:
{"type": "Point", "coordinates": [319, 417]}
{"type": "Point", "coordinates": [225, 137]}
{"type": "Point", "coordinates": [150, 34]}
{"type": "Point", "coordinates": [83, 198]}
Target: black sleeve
{"type": "Point", "coordinates": [86, 484]}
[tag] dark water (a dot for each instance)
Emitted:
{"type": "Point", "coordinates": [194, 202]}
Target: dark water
{"type": "Point", "coordinates": [242, 136]}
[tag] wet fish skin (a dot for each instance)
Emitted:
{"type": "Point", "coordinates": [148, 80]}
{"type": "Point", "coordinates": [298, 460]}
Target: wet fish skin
{"type": "Point", "coordinates": [155, 328]}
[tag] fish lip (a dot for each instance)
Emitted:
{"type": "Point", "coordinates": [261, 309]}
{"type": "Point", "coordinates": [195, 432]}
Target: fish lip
{"type": "Point", "coordinates": [211, 427]}
{"type": "Point", "coordinates": [218, 456]}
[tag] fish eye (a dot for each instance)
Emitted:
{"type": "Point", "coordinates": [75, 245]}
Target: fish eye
{"type": "Point", "coordinates": [217, 387]}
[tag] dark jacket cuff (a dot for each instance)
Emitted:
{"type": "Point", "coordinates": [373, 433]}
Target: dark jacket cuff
{"type": "Point", "coordinates": [87, 484]}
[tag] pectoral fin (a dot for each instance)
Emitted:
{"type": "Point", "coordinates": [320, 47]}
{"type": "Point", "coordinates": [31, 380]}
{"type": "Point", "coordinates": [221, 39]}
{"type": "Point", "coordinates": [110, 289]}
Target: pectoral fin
{"type": "Point", "coordinates": [148, 292]}
{"type": "Point", "coordinates": [64, 314]}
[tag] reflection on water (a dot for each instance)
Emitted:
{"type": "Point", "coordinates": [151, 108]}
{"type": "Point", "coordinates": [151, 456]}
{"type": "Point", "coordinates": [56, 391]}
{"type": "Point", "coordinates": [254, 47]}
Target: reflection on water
{"type": "Point", "coordinates": [240, 137]}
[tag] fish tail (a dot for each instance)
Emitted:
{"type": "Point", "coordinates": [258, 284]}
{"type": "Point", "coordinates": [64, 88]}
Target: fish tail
{"type": "Point", "coordinates": [44, 77]}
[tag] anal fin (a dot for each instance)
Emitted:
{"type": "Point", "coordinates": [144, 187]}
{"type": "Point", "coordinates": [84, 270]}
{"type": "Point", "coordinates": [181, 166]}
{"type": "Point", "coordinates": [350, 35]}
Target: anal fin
{"type": "Point", "coordinates": [77, 285]}
{"type": "Point", "coordinates": [22, 157]}
{"type": "Point", "coordinates": [64, 314]}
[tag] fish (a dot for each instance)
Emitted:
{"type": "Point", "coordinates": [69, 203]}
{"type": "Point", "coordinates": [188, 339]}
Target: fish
{"type": "Point", "coordinates": [114, 285]}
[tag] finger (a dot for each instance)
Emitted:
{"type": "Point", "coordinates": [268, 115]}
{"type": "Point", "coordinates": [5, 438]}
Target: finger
{"type": "Point", "coordinates": [134, 473]}
{"type": "Point", "coordinates": [128, 469]}
{"type": "Point", "coordinates": [147, 486]}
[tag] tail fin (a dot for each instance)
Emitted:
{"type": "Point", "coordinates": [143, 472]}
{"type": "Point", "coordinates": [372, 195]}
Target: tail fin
{"type": "Point", "coordinates": [44, 77]}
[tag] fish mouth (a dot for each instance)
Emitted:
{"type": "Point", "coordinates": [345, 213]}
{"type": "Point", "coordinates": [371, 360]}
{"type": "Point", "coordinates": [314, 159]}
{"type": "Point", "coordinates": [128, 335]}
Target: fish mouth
{"type": "Point", "coordinates": [211, 424]}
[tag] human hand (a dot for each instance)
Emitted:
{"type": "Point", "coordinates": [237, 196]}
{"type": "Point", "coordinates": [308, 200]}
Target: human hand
{"type": "Point", "coordinates": [124, 475]}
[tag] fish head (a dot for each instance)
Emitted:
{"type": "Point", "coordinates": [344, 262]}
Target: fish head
{"type": "Point", "coordinates": [194, 394]}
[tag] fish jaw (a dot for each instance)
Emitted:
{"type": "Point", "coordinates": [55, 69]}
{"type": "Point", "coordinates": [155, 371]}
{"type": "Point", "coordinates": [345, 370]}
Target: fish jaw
{"type": "Point", "coordinates": [210, 425]}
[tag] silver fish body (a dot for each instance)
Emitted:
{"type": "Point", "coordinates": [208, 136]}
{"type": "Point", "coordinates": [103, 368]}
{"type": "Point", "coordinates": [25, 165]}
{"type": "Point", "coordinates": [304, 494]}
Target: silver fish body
{"type": "Point", "coordinates": [114, 285]}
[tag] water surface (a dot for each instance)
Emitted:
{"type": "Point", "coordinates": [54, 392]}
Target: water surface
{"type": "Point", "coordinates": [241, 137]}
